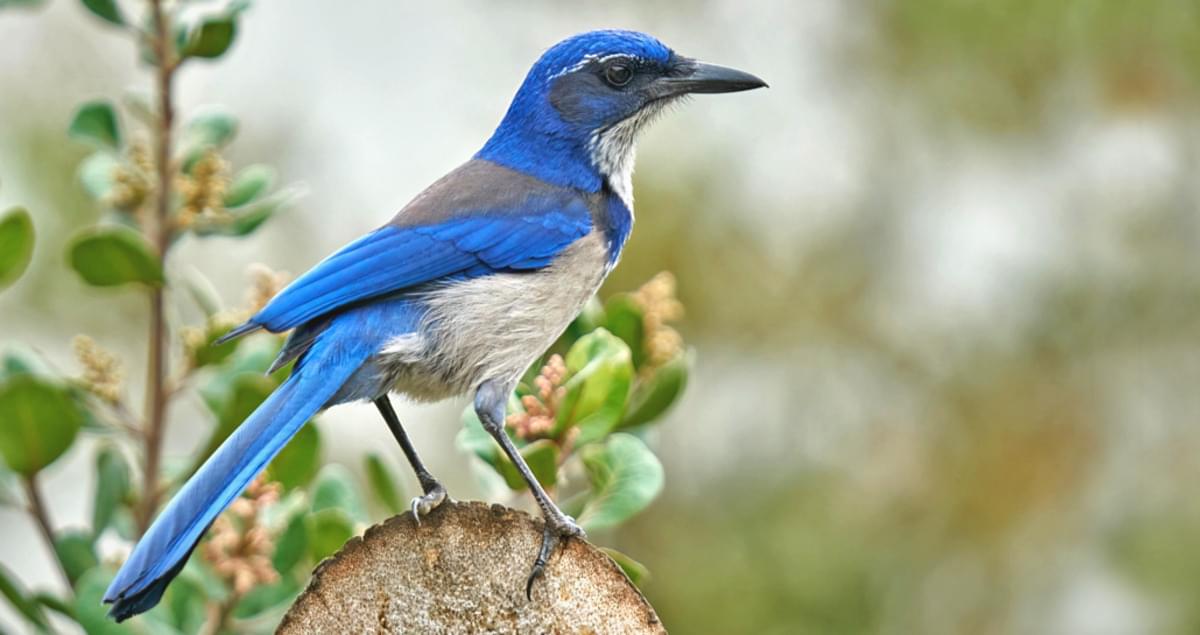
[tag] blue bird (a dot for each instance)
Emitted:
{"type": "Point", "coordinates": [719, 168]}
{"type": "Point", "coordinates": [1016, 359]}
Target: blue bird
{"type": "Point", "coordinates": [461, 291]}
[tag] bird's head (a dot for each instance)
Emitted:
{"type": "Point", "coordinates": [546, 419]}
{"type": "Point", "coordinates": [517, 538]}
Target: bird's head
{"type": "Point", "coordinates": [576, 116]}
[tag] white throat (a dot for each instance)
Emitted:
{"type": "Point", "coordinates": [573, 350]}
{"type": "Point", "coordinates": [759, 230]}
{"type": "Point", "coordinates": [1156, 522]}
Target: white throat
{"type": "Point", "coordinates": [613, 151]}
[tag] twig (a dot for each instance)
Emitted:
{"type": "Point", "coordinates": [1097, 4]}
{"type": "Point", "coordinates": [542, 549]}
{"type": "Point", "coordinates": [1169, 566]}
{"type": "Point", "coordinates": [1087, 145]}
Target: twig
{"type": "Point", "coordinates": [125, 418]}
{"type": "Point", "coordinates": [37, 509]}
{"type": "Point", "coordinates": [223, 612]}
{"type": "Point", "coordinates": [156, 392]}
{"type": "Point", "coordinates": [120, 414]}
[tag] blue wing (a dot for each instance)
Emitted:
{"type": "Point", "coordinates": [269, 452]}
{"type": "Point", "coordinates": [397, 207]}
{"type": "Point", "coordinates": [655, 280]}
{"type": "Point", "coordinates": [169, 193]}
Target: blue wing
{"type": "Point", "coordinates": [397, 257]}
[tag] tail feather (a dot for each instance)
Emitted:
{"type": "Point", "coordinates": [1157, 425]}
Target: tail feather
{"type": "Point", "coordinates": [165, 547]}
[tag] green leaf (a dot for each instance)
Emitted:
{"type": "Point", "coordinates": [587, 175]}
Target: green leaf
{"type": "Point", "coordinates": [212, 38]}
{"type": "Point", "coordinates": [232, 404]}
{"type": "Point", "coordinates": [110, 256]}
{"type": "Point", "coordinates": [265, 597]}
{"type": "Point", "coordinates": [601, 373]}
{"type": "Point", "coordinates": [625, 319]}
{"type": "Point", "coordinates": [249, 184]}
{"type": "Point", "coordinates": [299, 460]}
{"type": "Point", "coordinates": [475, 440]}
{"type": "Point", "coordinates": [112, 487]}
{"type": "Point", "coordinates": [383, 483]}
{"type": "Point", "coordinates": [75, 550]}
{"type": "Point", "coordinates": [90, 612]}
{"type": "Point", "coordinates": [245, 220]}
{"type": "Point", "coordinates": [185, 602]}
{"type": "Point", "coordinates": [209, 352]}
{"type": "Point", "coordinates": [16, 245]}
{"type": "Point", "coordinates": [96, 174]}
{"type": "Point", "coordinates": [22, 602]}
{"type": "Point", "coordinates": [542, 458]}
{"type": "Point", "coordinates": [634, 570]}
{"type": "Point", "coordinates": [253, 356]}
{"type": "Point", "coordinates": [328, 530]}
{"type": "Point", "coordinates": [654, 395]}
{"type": "Point", "coordinates": [96, 122]}
{"type": "Point", "coordinates": [38, 422]}
{"type": "Point", "coordinates": [54, 603]}
{"type": "Point", "coordinates": [213, 127]}
{"type": "Point", "coordinates": [336, 489]}
{"type": "Point", "coordinates": [106, 10]}
{"type": "Point", "coordinates": [15, 363]}
{"type": "Point", "coordinates": [202, 292]}
{"type": "Point", "coordinates": [588, 320]}
{"type": "Point", "coordinates": [291, 545]}
{"type": "Point", "coordinates": [625, 477]}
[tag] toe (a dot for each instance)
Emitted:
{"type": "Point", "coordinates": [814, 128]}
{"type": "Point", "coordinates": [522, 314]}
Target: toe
{"type": "Point", "coordinates": [422, 505]}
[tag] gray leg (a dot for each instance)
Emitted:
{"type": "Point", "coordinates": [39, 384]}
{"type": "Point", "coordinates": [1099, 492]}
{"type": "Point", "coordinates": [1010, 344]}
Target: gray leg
{"type": "Point", "coordinates": [490, 400]}
{"type": "Point", "coordinates": [435, 494]}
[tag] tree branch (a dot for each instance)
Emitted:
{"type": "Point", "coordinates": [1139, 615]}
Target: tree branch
{"type": "Point", "coordinates": [156, 389]}
{"type": "Point", "coordinates": [462, 570]}
{"type": "Point", "coordinates": [37, 509]}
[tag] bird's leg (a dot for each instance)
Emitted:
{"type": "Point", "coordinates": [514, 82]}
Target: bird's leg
{"type": "Point", "coordinates": [435, 494]}
{"type": "Point", "coordinates": [490, 400]}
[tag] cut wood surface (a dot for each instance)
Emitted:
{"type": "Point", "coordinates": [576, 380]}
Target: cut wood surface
{"type": "Point", "coordinates": [463, 570]}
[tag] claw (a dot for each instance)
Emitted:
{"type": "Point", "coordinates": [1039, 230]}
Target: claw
{"type": "Point", "coordinates": [552, 533]}
{"type": "Point", "coordinates": [422, 505]}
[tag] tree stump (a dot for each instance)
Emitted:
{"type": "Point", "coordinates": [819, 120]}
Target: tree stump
{"type": "Point", "coordinates": [463, 570]}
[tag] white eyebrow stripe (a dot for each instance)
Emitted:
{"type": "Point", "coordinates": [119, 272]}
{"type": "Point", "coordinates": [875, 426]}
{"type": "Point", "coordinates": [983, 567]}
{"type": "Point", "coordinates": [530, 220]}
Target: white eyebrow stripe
{"type": "Point", "coordinates": [612, 56]}
{"type": "Point", "coordinates": [578, 65]}
{"type": "Point", "coordinates": [590, 57]}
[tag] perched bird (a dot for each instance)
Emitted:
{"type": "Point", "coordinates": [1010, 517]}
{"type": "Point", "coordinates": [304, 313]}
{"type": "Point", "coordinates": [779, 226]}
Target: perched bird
{"type": "Point", "coordinates": [461, 291]}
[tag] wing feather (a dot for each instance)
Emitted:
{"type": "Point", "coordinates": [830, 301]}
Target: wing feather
{"type": "Point", "coordinates": [397, 257]}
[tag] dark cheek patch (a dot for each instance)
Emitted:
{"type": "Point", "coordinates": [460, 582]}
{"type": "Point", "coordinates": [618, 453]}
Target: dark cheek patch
{"type": "Point", "coordinates": [578, 98]}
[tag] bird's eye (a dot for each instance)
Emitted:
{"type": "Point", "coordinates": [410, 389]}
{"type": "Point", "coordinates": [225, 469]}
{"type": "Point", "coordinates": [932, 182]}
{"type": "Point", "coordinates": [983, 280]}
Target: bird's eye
{"type": "Point", "coordinates": [618, 75]}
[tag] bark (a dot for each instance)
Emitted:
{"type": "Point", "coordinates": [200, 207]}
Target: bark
{"type": "Point", "coordinates": [463, 571]}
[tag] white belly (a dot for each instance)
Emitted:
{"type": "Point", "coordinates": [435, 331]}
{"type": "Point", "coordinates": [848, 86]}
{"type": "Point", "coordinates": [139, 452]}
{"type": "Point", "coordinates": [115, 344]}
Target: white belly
{"type": "Point", "coordinates": [495, 326]}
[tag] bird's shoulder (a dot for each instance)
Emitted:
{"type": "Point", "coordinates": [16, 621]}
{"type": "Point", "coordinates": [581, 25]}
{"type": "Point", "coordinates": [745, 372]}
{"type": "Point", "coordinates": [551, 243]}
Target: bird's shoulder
{"type": "Point", "coordinates": [481, 188]}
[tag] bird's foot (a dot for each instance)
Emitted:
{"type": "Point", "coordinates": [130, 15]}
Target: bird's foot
{"type": "Point", "coordinates": [434, 496]}
{"type": "Point", "coordinates": [558, 526]}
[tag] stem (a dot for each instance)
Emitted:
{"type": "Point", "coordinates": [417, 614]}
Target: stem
{"type": "Point", "coordinates": [156, 390]}
{"type": "Point", "coordinates": [223, 612]}
{"type": "Point", "coordinates": [37, 508]}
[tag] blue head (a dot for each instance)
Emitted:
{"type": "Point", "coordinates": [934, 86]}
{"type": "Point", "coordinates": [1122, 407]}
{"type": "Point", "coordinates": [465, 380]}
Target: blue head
{"type": "Point", "coordinates": [575, 117]}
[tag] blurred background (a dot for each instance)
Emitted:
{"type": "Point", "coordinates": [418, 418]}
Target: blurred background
{"type": "Point", "coordinates": [942, 279]}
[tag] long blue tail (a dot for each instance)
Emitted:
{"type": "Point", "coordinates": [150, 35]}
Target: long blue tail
{"type": "Point", "coordinates": [165, 547]}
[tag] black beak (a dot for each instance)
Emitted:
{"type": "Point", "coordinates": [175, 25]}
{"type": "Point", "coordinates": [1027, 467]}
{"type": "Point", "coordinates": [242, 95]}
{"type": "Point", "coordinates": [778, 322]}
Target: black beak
{"type": "Point", "coordinates": [691, 76]}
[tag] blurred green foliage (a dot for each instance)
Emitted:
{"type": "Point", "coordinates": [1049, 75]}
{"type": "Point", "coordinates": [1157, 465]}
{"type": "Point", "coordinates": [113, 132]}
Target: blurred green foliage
{"type": "Point", "coordinates": [16, 245]}
{"type": "Point", "coordinates": [1000, 62]}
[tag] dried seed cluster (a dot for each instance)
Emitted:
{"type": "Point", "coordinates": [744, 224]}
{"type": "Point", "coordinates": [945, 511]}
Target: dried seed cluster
{"type": "Point", "coordinates": [265, 283]}
{"type": "Point", "coordinates": [541, 409]}
{"type": "Point", "coordinates": [133, 181]}
{"type": "Point", "coordinates": [203, 191]}
{"type": "Point", "coordinates": [102, 373]}
{"type": "Point", "coordinates": [239, 548]}
{"type": "Point", "coordinates": [659, 306]}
